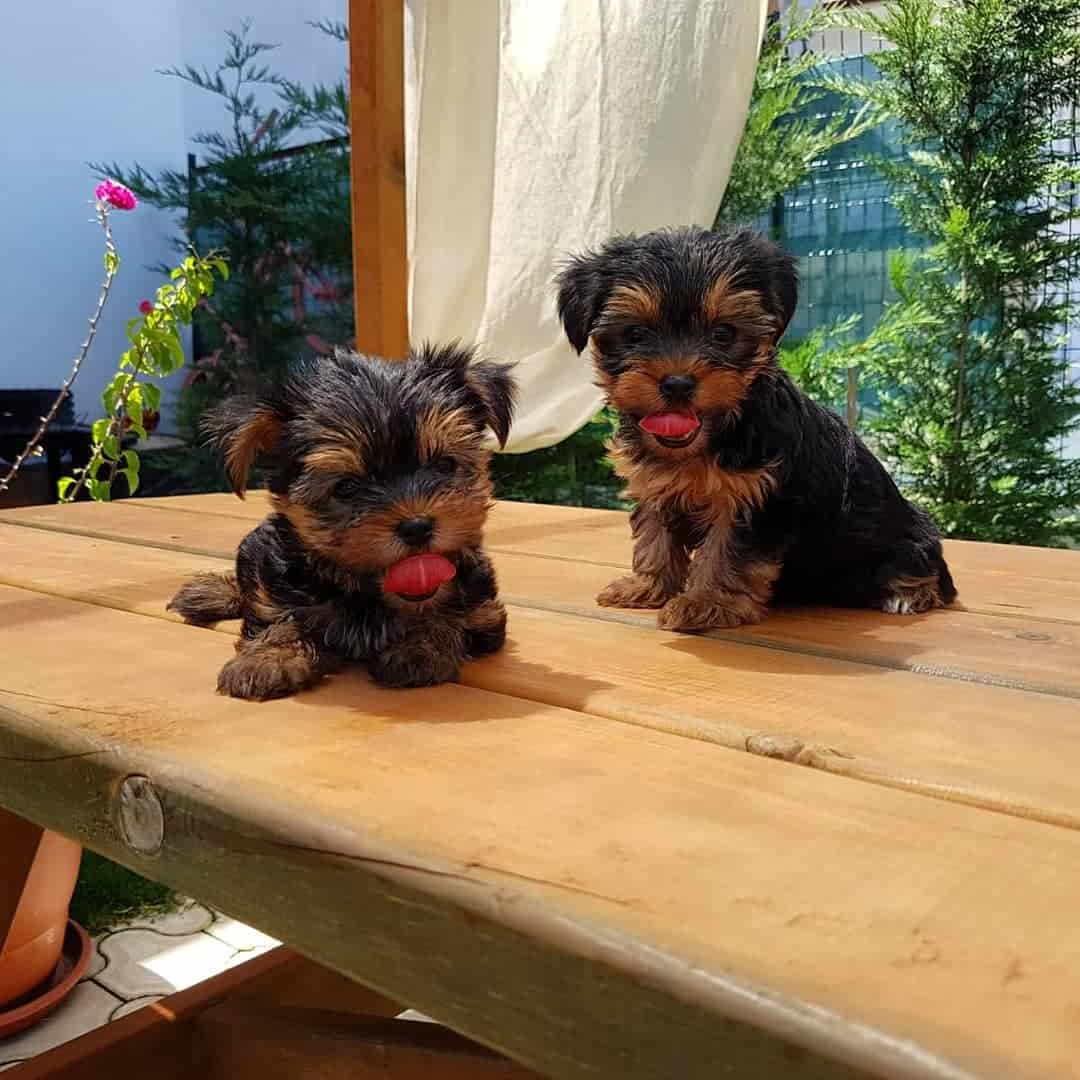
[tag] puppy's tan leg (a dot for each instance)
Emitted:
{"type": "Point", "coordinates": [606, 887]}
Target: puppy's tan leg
{"type": "Point", "coordinates": [278, 662]}
{"type": "Point", "coordinates": [660, 566]}
{"type": "Point", "coordinates": [207, 599]}
{"type": "Point", "coordinates": [722, 590]}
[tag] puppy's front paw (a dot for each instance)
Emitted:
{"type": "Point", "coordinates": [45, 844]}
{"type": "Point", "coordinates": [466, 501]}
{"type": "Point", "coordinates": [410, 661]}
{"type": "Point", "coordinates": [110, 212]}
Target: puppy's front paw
{"type": "Point", "coordinates": [633, 591]}
{"type": "Point", "coordinates": [485, 629]}
{"type": "Point", "coordinates": [260, 675]}
{"type": "Point", "coordinates": [709, 611]}
{"type": "Point", "coordinates": [912, 595]}
{"type": "Point", "coordinates": [401, 668]}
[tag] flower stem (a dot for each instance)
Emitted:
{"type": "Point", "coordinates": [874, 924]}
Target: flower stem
{"type": "Point", "coordinates": [111, 266]}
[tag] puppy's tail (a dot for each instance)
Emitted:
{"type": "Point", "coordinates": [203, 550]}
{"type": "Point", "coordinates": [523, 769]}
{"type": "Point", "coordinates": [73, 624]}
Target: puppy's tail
{"type": "Point", "coordinates": [207, 599]}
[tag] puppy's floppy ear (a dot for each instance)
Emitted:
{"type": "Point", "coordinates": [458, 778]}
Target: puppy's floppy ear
{"type": "Point", "coordinates": [785, 289]}
{"type": "Point", "coordinates": [243, 427]}
{"type": "Point", "coordinates": [494, 393]}
{"type": "Point", "coordinates": [489, 387]}
{"type": "Point", "coordinates": [583, 290]}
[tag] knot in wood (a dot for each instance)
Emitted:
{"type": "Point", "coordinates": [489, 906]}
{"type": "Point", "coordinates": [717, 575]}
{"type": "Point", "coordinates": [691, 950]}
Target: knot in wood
{"type": "Point", "coordinates": [785, 747]}
{"type": "Point", "coordinates": [140, 816]}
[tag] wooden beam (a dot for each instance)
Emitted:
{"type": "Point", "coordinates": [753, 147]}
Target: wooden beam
{"type": "Point", "coordinates": [377, 140]}
{"type": "Point", "coordinates": [310, 1044]}
{"type": "Point", "coordinates": [167, 1040]}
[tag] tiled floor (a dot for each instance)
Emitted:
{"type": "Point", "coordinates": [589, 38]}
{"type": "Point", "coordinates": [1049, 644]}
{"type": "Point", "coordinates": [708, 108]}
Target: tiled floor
{"type": "Point", "coordinates": [139, 964]}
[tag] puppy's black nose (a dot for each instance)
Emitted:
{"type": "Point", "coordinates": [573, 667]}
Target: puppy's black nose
{"type": "Point", "coordinates": [678, 388]}
{"type": "Point", "coordinates": [416, 531]}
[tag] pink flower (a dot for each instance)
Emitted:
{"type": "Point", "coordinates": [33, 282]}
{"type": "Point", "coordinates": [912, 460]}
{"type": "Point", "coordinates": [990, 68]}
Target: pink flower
{"type": "Point", "coordinates": [116, 195]}
{"type": "Point", "coordinates": [146, 307]}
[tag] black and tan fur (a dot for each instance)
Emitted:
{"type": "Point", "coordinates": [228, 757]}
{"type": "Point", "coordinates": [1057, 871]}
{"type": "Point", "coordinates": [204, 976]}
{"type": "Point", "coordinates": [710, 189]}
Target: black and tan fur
{"type": "Point", "coordinates": [353, 447]}
{"type": "Point", "coordinates": [773, 496]}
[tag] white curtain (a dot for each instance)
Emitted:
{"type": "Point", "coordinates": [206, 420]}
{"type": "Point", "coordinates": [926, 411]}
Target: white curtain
{"type": "Point", "coordinates": [536, 128]}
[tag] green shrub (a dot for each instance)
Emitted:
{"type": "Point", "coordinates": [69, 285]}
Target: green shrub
{"type": "Point", "coordinates": [975, 400]}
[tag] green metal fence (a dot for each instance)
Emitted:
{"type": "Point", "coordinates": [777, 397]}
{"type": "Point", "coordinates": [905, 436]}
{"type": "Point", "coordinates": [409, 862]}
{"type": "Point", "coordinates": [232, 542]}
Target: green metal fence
{"type": "Point", "coordinates": [844, 229]}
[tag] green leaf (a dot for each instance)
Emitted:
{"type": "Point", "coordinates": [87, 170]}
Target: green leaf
{"type": "Point", "coordinates": [99, 490]}
{"type": "Point", "coordinates": [63, 486]}
{"type": "Point", "coordinates": [132, 477]}
{"type": "Point", "coordinates": [160, 360]}
{"type": "Point", "coordinates": [137, 429]}
{"type": "Point", "coordinates": [110, 396]}
{"type": "Point", "coordinates": [177, 350]}
{"type": "Point", "coordinates": [151, 397]}
{"type": "Point", "coordinates": [133, 327]}
{"type": "Point", "coordinates": [131, 460]}
{"type": "Point", "coordinates": [222, 267]}
{"type": "Point", "coordinates": [134, 404]}
{"type": "Point", "coordinates": [99, 430]}
{"type": "Point", "coordinates": [112, 262]}
{"type": "Point", "coordinates": [110, 447]}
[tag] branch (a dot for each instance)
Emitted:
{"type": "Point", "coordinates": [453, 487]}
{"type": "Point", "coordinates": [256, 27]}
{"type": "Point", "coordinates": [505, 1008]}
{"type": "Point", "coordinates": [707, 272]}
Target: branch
{"type": "Point", "coordinates": [112, 264]}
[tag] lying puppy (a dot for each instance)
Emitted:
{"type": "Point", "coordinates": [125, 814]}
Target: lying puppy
{"type": "Point", "coordinates": [728, 461]}
{"type": "Point", "coordinates": [379, 482]}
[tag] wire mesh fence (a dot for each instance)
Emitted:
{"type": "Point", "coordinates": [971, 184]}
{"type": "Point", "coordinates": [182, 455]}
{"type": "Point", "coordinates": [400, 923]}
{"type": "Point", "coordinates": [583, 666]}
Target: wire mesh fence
{"type": "Point", "coordinates": [840, 221]}
{"type": "Point", "coordinates": [843, 227]}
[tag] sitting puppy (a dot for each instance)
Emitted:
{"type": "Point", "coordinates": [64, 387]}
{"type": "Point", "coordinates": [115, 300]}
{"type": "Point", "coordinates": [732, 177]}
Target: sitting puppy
{"type": "Point", "coordinates": [379, 482]}
{"type": "Point", "coordinates": [773, 495]}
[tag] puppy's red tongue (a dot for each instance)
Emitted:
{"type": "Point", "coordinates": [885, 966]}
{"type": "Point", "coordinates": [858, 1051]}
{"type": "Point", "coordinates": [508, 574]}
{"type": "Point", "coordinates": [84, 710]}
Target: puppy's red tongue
{"type": "Point", "coordinates": [418, 575]}
{"type": "Point", "coordinates": [670, 425]}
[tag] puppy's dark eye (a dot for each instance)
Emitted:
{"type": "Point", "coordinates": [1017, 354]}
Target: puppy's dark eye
{"type": "Point", "coordinates": [723, 335]}
{"type": "Point", "coordinates": [348, 487]}
{"type": "Point", "coordinates": [633, 337]}
{"type": "Point", "coordinates": [445, 465]}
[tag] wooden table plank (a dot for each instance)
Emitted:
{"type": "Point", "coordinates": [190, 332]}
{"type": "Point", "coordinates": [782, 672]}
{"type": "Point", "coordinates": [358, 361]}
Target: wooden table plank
{"type": "Point", "coordinates": [604, 891]}
{"type": "Point", "coordinates": [1012, 651]}
{"type": "Point", "coordinates": [551, 529]}
{"type": "Point", "coordinates": [215, 535]}
{"type": "Point", "coordinates": [539, 529]}
{"type": "Point", "coordinates": [995, 579]}
{"type": "Point", "coordinates": [985, 746]}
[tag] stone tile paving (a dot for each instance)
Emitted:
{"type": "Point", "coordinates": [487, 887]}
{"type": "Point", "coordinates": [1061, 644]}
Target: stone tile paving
{"type": "Point", "coordinates": [136, 965]}
{"type": "Point", "coordinates": [140, 963]}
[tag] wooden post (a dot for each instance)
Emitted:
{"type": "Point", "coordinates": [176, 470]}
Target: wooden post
{"type": "Point", "coordinates": [852, 398]}
{"type": "Point", "coordinates": [377, 146]}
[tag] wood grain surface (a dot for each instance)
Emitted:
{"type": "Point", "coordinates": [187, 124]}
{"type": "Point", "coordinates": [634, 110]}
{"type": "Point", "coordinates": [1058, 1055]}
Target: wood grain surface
{"type": "Point", "coordinates": [571, 858]}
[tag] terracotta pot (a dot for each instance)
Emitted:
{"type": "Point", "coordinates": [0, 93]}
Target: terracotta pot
{"type": "Point", "coordinates": [74, 963]}
{"type": "Point", "coordinates": [29, 956]}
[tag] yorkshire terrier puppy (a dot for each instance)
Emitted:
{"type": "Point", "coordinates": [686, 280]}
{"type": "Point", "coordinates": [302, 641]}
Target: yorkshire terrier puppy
{"type": "Point", "coordinates": [746, 490]}
{"type": "Point", "coordinates": [378, 477]}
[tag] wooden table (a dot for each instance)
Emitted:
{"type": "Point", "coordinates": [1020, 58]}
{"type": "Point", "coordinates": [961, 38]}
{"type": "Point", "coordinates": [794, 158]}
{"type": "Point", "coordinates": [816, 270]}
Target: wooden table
{"type": "Point", "coordinates": [598, 854]}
